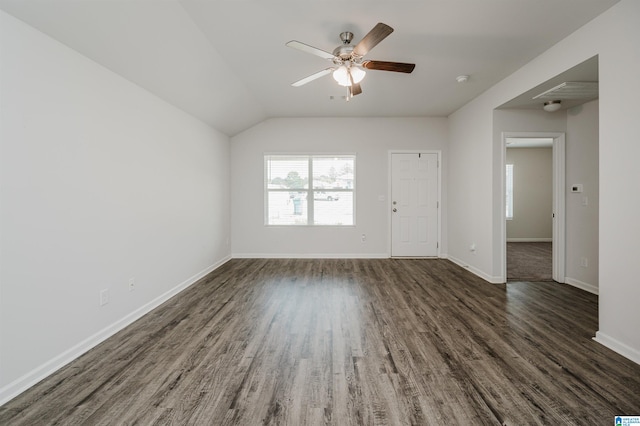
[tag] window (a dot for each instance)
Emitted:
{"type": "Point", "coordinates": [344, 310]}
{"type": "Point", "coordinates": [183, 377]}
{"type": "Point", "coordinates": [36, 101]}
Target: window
{"type": "Point", "coordinates": [509, 193]}
{"type": "Point", "coordinates": [309, 189]}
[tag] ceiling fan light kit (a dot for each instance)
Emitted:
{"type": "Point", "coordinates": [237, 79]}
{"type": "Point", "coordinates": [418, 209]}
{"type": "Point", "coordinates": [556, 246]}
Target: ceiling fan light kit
{"type": "Point", "coordinates": [346, 74]}
{"type": "Point", "coordinates": [348, 60]}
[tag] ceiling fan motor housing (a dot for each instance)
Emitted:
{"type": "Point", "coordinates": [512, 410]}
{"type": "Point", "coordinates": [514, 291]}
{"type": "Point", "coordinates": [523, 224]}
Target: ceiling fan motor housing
{"type": "Point", "coordinates": [344, 51]}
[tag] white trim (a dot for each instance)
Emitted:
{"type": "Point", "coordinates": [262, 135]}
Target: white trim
{"type": "Point", "coordinates": [529, 240]}
{"type": "Point", "coordinates": [582, 285]}
{"type": "Point", "coordinates": [617, 346]}
{"type": "Point", "coordinates": [23, 383]}
{"type": "Point", "coordinates": [325, 256]}
{"type": "Point", "coordinates": [310, 255]}
{"type": "Point", "coordinates": [414, 151]}
{"type": "Point", "coordinates": [475, 271]}
{"type": "Point", "coordinates": [559, 220]}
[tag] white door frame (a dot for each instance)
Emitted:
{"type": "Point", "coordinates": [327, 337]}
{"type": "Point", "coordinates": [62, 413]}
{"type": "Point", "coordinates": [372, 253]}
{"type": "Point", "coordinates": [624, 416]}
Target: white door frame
{"type": "Point", "coordinates": [559, 214]}
{"type": "Point", "coordinates": [389, 200]}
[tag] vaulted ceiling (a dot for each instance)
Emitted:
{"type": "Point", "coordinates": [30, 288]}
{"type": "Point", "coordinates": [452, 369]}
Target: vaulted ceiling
{"type": "Point", "coordinates": [226, 63]}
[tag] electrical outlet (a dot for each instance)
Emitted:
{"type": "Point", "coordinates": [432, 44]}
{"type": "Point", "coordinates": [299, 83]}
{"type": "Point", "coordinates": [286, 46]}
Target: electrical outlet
{"type": "Point", "coordinates": [363, 238]}
{"type": "Point", "coordinates": [584, 262]}
{"type": "Point", "coordinates": [132, 284]}
{"type": "Point", "coordinates": [104, 297]}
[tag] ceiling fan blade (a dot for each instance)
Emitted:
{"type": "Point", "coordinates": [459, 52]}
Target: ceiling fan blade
{"type": "Point", "coordinates": [375, 36]}
{"type": "Point", "coordinates": [310, 49]}
{"type": "Point", "coordinates": [312, 77]}
{"type": "Point", "coordinates": [355, 88]}
{"type": "Point", "coordinates": [389, 66]}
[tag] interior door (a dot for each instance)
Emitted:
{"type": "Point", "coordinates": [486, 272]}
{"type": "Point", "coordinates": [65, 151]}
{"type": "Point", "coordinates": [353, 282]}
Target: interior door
{"type": "Point", "coordinates": [414, 205]}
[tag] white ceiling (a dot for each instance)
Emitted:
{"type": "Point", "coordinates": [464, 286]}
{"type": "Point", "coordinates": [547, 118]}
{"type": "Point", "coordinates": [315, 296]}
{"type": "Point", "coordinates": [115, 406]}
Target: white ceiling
{"type": "Point", "coordinates": [226, 62]}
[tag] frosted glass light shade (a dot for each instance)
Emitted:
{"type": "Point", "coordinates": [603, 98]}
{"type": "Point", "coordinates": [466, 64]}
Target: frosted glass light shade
{"type": "Point", "coordinates": [341, 75]}
{"type": "Point", "coordinates": [357, 74]}
{"type": "Point", "coordinates": [551, 106]}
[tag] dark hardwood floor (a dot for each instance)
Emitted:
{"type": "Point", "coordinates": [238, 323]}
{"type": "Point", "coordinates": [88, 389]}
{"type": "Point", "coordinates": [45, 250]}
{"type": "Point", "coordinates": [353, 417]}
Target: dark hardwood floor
{"type": "Point", "coordinates": [529, 261]}
{"type": "Point", "coordinates": [389, 342]}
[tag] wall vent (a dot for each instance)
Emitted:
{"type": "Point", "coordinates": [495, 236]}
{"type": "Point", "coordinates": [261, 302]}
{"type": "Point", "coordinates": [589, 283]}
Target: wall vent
{"type": "Point", "coordinates": [571, 90]}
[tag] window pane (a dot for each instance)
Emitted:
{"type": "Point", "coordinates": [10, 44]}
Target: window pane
{"type": "Point", "coordinates": [289, 200]}
{"type": "Point", "coordinates": [287, 208]}
{"type": "Point", "coordinates": [333, 172]}
{"type": "Point", "coordinates": [287, 172]}
{"type": "Point", "coordinates": [333, 208]}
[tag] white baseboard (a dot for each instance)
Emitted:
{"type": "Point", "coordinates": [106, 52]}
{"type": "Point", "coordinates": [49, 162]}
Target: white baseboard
{"type": "Point", "coordinates": [529, 240]}
{"type": "Point", "coordinates": [619, 347]}
{"type": "Point", "coordinates": [310, 256]}
{"type": "Point", "coordinates": [23, 383]}
{"type": "Point", "coordinates": [481, 274]}
{"type": "Point", "coordinates": [581, 285]}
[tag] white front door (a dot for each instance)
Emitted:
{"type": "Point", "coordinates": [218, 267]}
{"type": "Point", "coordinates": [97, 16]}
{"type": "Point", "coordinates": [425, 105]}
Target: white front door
{"type": "Point", "coordinates": [414, 205]}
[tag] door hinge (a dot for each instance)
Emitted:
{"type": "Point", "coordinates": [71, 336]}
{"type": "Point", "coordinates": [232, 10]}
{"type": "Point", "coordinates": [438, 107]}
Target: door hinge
{"type": "Point", "coordinates": [419, 155]}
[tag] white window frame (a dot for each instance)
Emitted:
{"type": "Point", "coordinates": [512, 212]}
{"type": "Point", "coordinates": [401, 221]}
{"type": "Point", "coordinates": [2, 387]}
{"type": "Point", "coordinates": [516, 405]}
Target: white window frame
{"type": "Point", "coordinates": [310, 189]}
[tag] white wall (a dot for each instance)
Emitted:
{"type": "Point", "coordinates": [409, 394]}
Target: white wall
{"type": "Point", "coordinates": [473, 156]}
{"type": "Point", "coordinates": [369, 138]}
{"type": "Point", "coordinates": [100, 182]}
{"type": "Point", "coordinates": [470, 217]}
{"type": "Point", "coordinates": [619, 285]}
{"type": "Point", "coordinates": [582, 219]}
{"type": "Point", "coordinates": [532, 194]}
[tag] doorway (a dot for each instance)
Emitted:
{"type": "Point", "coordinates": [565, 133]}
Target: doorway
{"type": "Point", "coordinates": [529, 194]}
{"type": "Point", "coordinates": [414, 195]}
{"type": "Point", "coordinates": [557, 213]}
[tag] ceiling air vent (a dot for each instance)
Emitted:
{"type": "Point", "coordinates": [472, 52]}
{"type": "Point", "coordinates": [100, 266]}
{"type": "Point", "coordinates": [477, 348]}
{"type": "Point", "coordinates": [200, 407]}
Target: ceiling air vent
{"type": "Point", "coordinates": [571, 90]}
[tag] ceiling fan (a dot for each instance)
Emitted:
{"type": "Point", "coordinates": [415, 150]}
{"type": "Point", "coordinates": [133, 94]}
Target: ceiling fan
{"type": "Point", "coordinates": [349, 62]}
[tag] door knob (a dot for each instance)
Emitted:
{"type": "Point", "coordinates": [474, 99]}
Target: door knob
{"type": "Point", "coordinates": [395, 210]}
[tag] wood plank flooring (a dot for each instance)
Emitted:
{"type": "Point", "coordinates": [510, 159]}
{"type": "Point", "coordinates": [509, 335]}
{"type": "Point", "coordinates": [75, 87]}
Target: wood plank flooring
{"type": "Point", "coordinates": [529, 261]}
{"type": "Point", "coordinates": [342, 342]}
